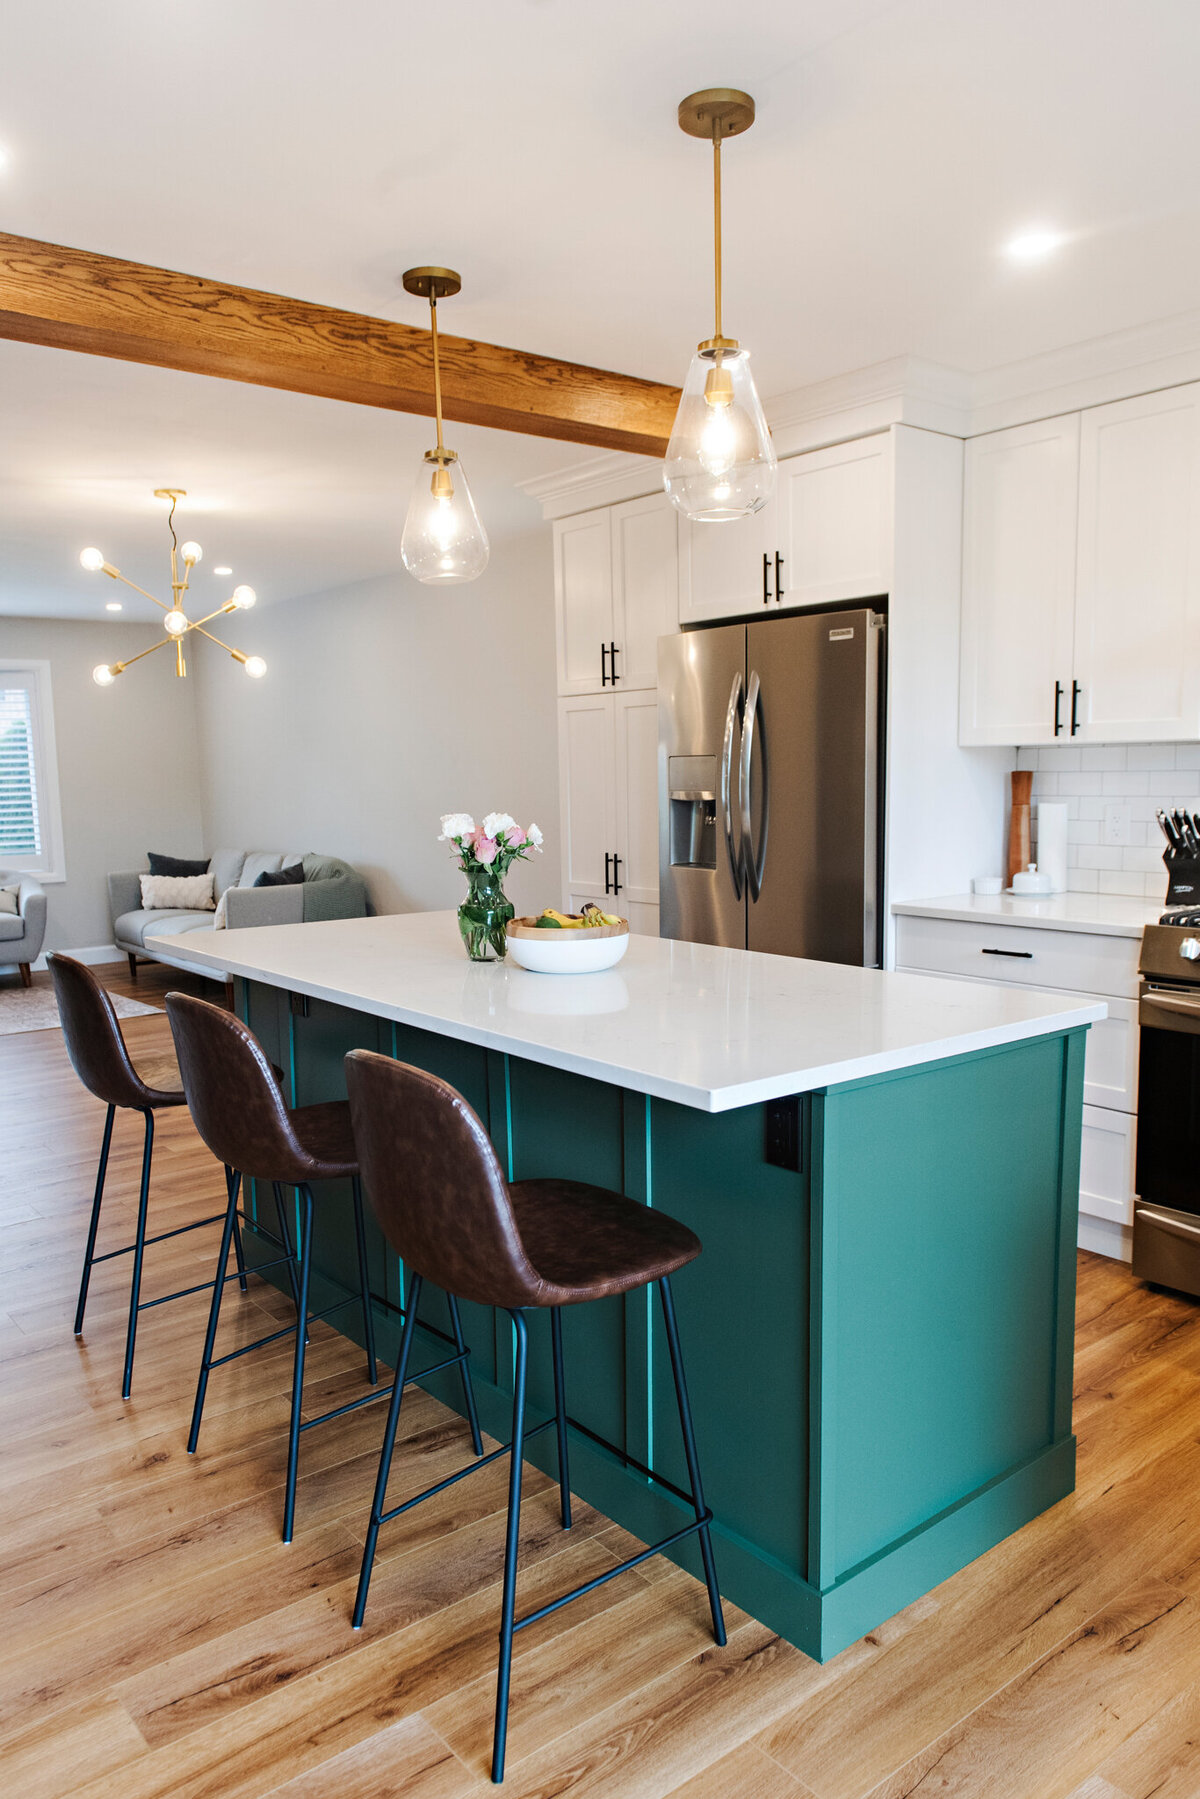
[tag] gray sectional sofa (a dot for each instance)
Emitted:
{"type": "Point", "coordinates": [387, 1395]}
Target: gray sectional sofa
{"type": "Point", "coordinates": [330, 889]}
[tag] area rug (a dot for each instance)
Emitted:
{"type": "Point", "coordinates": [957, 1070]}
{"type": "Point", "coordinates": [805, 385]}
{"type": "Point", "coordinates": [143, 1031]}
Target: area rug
{"type": "Point", "coordinates": [36, 1009]}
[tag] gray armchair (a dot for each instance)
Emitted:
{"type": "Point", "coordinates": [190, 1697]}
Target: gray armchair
{"type": "Point", "coordinates": [22, 932]}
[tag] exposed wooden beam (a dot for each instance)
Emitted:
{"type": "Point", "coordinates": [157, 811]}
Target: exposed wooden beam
{"type": "Point", "coordinates": [75, 300]}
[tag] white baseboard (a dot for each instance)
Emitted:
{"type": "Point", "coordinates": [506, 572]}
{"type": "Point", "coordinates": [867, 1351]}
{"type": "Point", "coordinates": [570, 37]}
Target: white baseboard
{"type": "Point", "coordinates": [99, 952]}
{"type": "Point", "coordinates": [1106, 1238]}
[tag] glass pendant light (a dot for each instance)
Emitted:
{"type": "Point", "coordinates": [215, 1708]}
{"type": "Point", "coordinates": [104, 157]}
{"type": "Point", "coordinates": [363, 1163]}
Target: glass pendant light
{"type": "Point", "coordinates": [444, 541]}
{"type": "Point", "coordinates": [720, 461]}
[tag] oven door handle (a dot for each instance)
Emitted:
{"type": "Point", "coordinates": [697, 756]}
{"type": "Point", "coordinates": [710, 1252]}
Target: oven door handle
{"type": "Point", "coordinates": [1174, 1227]}
{"type": "Point", "coordinates": [1170, 1002]}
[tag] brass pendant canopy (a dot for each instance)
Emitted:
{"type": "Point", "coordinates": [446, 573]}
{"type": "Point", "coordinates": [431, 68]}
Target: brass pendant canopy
{"type": "Point", "coordinates": [431, 283]}
{"type": "Point", "coordinates": [727, 108]}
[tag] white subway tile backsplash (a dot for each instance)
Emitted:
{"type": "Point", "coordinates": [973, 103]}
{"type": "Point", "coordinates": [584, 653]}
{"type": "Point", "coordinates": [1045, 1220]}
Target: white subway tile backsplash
{"type": "Point", "coordinates": [1142, 778]}
{"type": "Point", "coordinates": [1103, 758]}
{"type": "Point", "coordinates": [1131, 885]}
{"type": "Point", "coordinates": [1083, 880]}
{"type": "Point", "coordinates": [1086, 784]}
{"type": "Point", "coordinates": [1126, 785]}
{"type": "Point", "coordinates": [1187, 755]}
{"type": "Point", "coordinates": [1060, 758]}
{"type": "Point", "coordinates": [1083, 831]}
{"type": "Point", "coordinates": [1103, 856]}
{"type": "Point", "coordinates": [1028, 758]}
{"type": "Point", "coordinates": [1154, 756]}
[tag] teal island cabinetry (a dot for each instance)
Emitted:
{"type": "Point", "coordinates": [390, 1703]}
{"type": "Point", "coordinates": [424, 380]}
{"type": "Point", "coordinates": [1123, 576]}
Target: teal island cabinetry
{"type": "Point", "coordinates": [884, 1172]}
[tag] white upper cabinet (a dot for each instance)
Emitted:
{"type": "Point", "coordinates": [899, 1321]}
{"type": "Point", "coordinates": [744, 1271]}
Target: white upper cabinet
{"type": "Point", "coordinates": [1018, 601]}
{"type": "Point", "coordinates": [645, 565]}
{"type": "Point", "coordinates": [1137, 611]}
{"type": "Point", "coordinates": [834, 524]}
{"type": "Point", "coordinates": [635, 723]}
{"type": "Point", "coordinates": [825, 536]}
{"type": "Point", "coordinates": [616, 591]}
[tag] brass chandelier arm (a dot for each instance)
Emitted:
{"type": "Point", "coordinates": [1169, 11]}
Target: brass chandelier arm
{"type": "Point", "coordinates": [161, 604]}
{"type": "Point", "coordinates": [237, 654]}
{"type": "Point", "coordinates": [195, 624]}
{"type": "Point", "coordinates": [149, 652]}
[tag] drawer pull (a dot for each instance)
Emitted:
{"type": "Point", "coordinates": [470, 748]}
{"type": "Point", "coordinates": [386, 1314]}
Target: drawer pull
{"type": "Point", "coordinates": [1018, 955]}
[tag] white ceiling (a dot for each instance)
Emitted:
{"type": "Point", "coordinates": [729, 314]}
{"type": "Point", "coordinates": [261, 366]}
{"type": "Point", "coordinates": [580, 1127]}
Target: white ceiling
{"type": "Point", "coordinates": [318, 151]}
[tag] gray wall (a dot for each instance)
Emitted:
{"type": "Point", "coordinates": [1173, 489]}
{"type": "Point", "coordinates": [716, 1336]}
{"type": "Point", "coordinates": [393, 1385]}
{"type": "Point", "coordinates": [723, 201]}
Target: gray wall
{"type": "Point", "coordinates": [128, 766]}
{"type": "Point", "coordinates": [386, 704]}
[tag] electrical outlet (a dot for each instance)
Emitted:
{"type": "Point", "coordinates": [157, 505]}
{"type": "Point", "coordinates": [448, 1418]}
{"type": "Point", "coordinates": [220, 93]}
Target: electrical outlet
{"type": "Point", "coordinates": [1118, 818]}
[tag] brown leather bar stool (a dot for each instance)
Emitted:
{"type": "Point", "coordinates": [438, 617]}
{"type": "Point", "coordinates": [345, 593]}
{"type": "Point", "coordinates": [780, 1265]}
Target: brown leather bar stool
{"type": "Point", "coordinates": [239, 1110]}
{"type": "Point", "coordinates": [101, 1059]}
{"type": "Point", "coordinates": [444, 1205]}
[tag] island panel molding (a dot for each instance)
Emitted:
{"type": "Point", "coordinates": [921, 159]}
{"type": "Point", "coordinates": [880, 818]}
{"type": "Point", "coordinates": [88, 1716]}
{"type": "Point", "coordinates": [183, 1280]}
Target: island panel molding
{"type": "Point", "coordinates": [72, 299]}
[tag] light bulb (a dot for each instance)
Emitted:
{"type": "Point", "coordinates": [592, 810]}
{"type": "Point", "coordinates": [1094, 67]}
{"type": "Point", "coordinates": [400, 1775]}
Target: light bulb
{"type": "Point", "coordinates": [720, 462]}
{"type": "Point", "coordinates": [444, 541]}
{"type": "Point", "coordinates": [256, 668]}
{"type": "Point", "coordinates": [175, 622]}
{"type": "Point", "coordinates": [191, 552]}
{"type": "Point", "coordinates": [92, 560]}
{"type": "Point", "coordinates": [244, 597]}
{"type": "Point", "coordinates": [103, 675]}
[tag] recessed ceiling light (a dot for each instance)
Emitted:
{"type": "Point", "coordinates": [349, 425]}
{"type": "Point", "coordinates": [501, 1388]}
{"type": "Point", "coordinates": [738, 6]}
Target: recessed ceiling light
{"type": "Point", "coordinates": [222, 570]}
{"type": "Point", "coordinates": [1031, 246]}
{"type": "Point", "coordinates": [112, 605]}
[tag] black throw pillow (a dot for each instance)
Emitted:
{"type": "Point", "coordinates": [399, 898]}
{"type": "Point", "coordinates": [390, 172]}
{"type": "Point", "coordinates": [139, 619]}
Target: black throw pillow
{"type": "Point", "coordinates": [175, 865]}
{"type": "Point", "coordinates": [286, 877]}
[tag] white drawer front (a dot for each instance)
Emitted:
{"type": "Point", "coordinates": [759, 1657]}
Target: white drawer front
{"type": "Point", "coordinates": [1107, 1164]}
{"type": "Point", "coordinates": [1080, 961]}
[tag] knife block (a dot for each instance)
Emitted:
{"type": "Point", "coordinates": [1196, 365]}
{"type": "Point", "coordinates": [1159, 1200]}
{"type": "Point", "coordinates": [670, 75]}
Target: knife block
{"type": "Point", "coordinates": [1020, 853]}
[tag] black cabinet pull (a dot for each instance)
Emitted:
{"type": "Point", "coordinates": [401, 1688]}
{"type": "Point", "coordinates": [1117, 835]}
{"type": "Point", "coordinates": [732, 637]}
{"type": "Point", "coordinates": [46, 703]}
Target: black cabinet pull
{"type": "Point", "coordinates": [616, 874]}
{"type": "Point", "coordinates": [1058, 693]}
{"type": "Point", "coordinates": [766, 578]}
{"type": "Point", "coordinates": [604, 665]}
{"type": "Point", "coordinates": [778, 578]}
{"type": "Point", "coordinates": [1076, 690]}
{"type": "Point", "coordinates": [1018, 955]}
{"type": "Point", "coordinates": [607, 877]}
{"type": "Point", "coordinates": [614, 677]}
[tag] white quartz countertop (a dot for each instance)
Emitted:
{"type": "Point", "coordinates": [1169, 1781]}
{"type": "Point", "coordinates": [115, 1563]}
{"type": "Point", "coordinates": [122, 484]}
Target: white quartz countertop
{"type": "Point", "coordinates": [710, 1028]}
{"type": "Point", "coordinates": [1108, 914]}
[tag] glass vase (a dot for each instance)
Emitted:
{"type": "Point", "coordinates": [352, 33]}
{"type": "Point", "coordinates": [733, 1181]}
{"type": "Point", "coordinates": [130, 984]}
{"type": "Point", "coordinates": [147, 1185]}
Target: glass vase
{"type": "Point", "coordinates": [483, 915]}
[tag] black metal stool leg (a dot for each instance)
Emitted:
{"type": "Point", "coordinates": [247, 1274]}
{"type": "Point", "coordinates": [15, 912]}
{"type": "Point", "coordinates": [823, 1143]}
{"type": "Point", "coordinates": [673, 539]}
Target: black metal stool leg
{"type": "Point", "coordinates": [90, 1251]}
{"type": "Point", "coordinates": [560, 1417]}
{"type": "Point", "coordinates": [289, 1504]}
{"type": "Point", "coordinates": [238, 1251]}
{"type": "Point", "coordinates": [139, 1249]}
{"type": "Point", "coordinates": [364, 1280]}
{"type": "Point", "coordinates": [285, 1236]}
{"type": "Point", "coordinates": [512, 1538]}
{"type": "Point", "coordinates": [385, 1454]}
{"type": "Point", "coordinates": [465, 1371]}
{"type": "Point", "coordinates": [234, 1181]}
{"type": "Point", "coordinates": [693, 1464]}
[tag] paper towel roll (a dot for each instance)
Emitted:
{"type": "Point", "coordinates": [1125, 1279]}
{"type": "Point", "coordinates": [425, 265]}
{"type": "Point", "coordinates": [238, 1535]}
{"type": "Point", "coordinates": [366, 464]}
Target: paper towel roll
{"type": "Point", "coordinates": [1052, 843]}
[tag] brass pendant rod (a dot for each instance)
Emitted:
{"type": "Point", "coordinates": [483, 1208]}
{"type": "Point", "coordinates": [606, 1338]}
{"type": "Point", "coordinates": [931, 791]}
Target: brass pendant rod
{"type": "Point", "coordinates": [717, 222]}
{"type": "Point", "coordinates": [437, 374]}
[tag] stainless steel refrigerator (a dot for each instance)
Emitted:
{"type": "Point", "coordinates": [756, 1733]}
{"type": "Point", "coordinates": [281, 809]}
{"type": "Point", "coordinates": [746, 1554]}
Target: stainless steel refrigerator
{"type": "Point", "coordinates": [770, 785]}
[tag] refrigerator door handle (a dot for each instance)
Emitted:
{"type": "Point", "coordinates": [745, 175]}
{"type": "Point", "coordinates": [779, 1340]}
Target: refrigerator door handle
{"type": "Point", "coordinates": [754, 863]}
{"type": "Point", "coordinates": [731, 716]}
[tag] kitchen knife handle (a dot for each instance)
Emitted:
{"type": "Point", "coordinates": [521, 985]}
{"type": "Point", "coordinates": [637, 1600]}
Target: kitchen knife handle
{"type": "Point", "coordinates": [1058, 693]}
{"type": "Point", "coordinates": [766, 578]}
{"type": "Point", "coordinates": [604, 665]}
{"type": "Point", "coordinates": [1076, 690]}
{"type": "Point", "coordinates": [778, 578]}
{"type": "Point", "coordinates": [616, 874]}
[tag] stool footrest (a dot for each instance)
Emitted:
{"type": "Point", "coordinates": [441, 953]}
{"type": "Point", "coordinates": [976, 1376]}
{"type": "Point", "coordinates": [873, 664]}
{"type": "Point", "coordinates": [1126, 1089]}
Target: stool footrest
{"type": "Point", "coordinates": [180, 1231]}
{"type": "Point", "coordinates": [471, 1468]}
{"type": "Point", "coordinates": [634, 1561]}
{"type": "Point", "coordinates": [354, 1405]}
{"type": "Point", "coordinates": [147, 1305]}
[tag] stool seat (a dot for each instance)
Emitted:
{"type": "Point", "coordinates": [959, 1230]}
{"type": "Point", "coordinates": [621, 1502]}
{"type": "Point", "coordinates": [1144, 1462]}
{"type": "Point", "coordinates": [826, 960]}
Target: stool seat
{"type": "Point", "coordinates": [586, 1243]}
{"type": "Point", "coordinates": [325, 1140]}
{"type": "Point", "coordinates": [158, 1071]}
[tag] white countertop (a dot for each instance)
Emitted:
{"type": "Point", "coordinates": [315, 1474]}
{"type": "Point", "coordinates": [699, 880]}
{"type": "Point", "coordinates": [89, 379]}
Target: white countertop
{"type": "Point", "coordinates": [710, 1028]}
{"type": "Point", "coordinates": [1108, 914]}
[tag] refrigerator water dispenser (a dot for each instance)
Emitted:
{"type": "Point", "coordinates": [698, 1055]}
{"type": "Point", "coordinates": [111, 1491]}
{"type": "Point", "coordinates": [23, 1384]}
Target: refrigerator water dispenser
{"type": "Point", "coordinates": [693, 797]}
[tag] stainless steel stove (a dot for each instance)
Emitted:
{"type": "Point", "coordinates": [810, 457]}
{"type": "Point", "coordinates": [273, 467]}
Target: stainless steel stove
{"type": "Point", "coordinates": [1166, 1218]}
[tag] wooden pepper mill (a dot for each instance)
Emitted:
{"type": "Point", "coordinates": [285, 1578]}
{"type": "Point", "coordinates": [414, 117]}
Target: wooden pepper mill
{"type": "Point", "coordinates": [1020, 852]}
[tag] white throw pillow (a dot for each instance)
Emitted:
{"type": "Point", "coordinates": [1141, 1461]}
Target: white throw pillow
{"type": "Point", "coordinates": [189, 893]}
{"type": "Point", "coordinates": [219, 923]}
{"type": "Point", "coordinates": [9, 899]}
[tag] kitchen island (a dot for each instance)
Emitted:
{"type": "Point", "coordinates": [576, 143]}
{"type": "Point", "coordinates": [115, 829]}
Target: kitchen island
{"type": "Point", "coordinates": [883, 1169]}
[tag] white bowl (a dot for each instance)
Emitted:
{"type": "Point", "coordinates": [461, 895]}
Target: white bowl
{"type": "Point", "coordinates": [567, 952]}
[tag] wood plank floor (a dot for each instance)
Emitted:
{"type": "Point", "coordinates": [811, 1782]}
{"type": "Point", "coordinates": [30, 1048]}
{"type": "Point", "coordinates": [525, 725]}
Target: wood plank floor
{"type": "Point", "coordinates": [159, 1640]}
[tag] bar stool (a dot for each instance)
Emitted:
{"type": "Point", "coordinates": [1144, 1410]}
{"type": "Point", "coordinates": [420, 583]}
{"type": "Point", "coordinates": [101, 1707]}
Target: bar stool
{"type": "Point", "coordinates": [444, 1205]}
{"type": "Point", "coordinates": [239, 1110]}
{"type": "Point", "coordinates": [101, 1058]}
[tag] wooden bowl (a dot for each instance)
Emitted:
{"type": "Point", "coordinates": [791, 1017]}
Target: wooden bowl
{"type": "Point", "coordinates": [585, 951]}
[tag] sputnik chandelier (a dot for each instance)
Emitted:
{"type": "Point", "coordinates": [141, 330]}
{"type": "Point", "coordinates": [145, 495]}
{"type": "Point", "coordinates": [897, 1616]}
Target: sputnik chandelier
{"type": "Point", "coordinates": [176, 622]}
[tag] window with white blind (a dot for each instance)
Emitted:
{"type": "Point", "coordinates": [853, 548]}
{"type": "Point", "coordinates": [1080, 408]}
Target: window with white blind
{"type": "Point", "coordinates": [30, 823]}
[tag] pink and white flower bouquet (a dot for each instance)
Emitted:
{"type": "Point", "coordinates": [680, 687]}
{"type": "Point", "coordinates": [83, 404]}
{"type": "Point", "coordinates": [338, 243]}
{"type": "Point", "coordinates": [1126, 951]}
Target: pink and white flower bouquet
{"type": "Point", "coordinates": [486, 852]}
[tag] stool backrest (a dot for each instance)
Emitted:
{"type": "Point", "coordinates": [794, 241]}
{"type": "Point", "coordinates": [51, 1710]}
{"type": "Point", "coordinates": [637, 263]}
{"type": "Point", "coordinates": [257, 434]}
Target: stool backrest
{"type": "Point", "coordinates": [435, 1184]}
{"type": "Point", "coordinates": [232, 1094]}
{"type": "Point", "coordinates": [93, 1037]}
